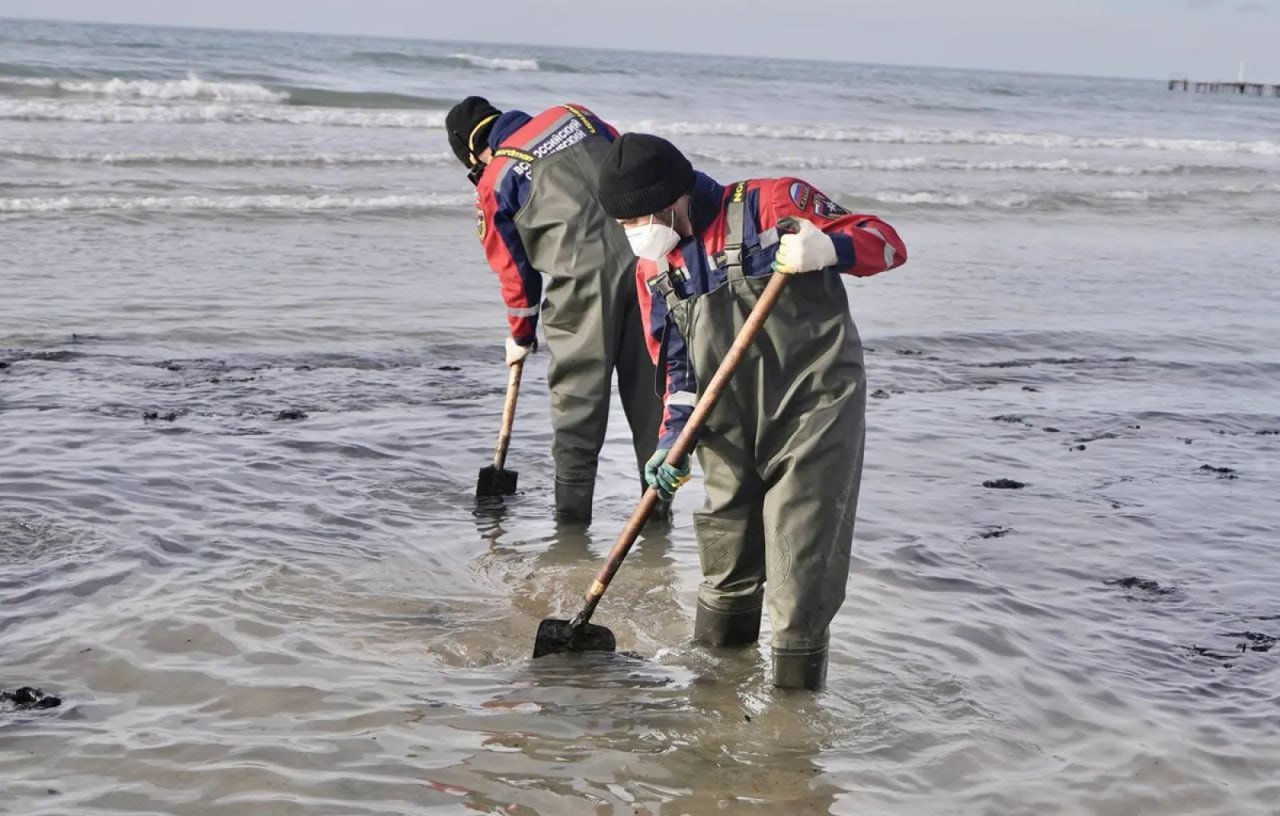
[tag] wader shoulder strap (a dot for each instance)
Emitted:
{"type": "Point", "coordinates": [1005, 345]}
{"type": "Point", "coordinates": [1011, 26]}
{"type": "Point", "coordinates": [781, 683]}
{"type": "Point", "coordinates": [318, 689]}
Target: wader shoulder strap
{"type": "Point", "coordinates": [734, 228]}
{"type": "Point", "coordinates": [664, 283]}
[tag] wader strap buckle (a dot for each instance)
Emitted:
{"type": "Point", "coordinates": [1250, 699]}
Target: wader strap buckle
{"type": "Point", "coordinates": [734, 228]}
{"type": "Point", "coordinates": [664, 284]}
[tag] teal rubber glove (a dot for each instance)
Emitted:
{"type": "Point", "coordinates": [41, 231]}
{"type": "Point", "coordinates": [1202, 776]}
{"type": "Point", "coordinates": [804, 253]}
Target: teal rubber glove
{"type": "Point", "coordinates": [667, 478]}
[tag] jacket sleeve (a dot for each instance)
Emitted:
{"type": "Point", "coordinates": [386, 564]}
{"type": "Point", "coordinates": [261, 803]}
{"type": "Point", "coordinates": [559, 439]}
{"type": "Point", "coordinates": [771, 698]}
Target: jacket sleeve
{"type": "Point", "coordinates": [865, 245]}
{"type": "Point", "coordinates": [521, 283]}
{"type": "Point", "coordinates": [664, 341]}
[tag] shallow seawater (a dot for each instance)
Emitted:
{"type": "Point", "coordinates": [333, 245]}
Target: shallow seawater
{"type": "Point", "coordinates": [250, 367]}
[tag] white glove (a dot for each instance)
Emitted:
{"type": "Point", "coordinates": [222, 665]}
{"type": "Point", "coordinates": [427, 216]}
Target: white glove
{"type": "Point", "coordinates": [516, 352]}
{"type": "Point", "coordinates": [805, 250]}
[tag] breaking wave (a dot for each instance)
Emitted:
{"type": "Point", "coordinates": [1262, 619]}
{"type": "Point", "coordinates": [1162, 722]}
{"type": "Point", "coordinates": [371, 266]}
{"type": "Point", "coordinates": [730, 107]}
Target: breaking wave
{"type": "Point", "coordinates": [498, 63]}
{"type": "Point", "coordinates": [229, 158]}
{"type": "Point", "coordinates": [950, 136]}
{"type": "Point", "coordinates": [1056, 201]}
{"type": "Point", "coordinates": [191, 88]}
{"type": "Point", "coordinates": [942, 163]}
{"type": "Point", "coordinates": [195, 113]}
{"type": "Point", "coordinates": [1045, 202]}
{"type": "Point", "coordinates": [459, 60]}
{"type": "Point", "coordinates": [194, 99]}
{"type": "Point", "coordinates": [195, 89]}
{"type": "Point", "coordinates": [234, 203]}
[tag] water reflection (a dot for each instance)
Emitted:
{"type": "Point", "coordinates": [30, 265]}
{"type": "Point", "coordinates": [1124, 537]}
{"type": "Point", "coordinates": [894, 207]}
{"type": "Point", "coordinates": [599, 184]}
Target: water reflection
{"type": "Point", "coordinates": [629, 735]}
{"type": "Point", "coordinates": [548, 575]}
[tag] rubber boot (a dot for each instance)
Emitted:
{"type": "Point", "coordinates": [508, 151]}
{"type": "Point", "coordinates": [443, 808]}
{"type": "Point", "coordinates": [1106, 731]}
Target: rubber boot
{"type": "Point", "coordinates": [573, 501]}
{"type": "Point", "coordinates": [712, 627]}
{"type": "Point", "coordinates": [800, 669]}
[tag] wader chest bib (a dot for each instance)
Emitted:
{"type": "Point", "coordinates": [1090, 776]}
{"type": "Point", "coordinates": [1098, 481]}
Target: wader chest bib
{"type": "Point", "coordinates": [781, 454]}
{"type": "Point", "coordinates": [590, 317]}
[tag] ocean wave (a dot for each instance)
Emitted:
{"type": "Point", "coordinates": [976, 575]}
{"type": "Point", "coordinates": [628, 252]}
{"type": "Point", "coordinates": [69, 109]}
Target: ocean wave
{"type": "Point", "coordinates": [195, 89]}
{"type": "Point", "coordinates": [1044, 202]}
{"type": "Point", "coordinates": [191, 88]}
{"type": "Point", "coordinates": [228, 158]}
{"type": "Point", "coordinates": [794, 162]}
{"type": "Point", "coordinates": [459, 60]}
{"type": "Point", "coordinates": [1091, 168]}
{"type": "Point", "coordinates": [949, 136]}
{"type": "Point", "coordinates": [948, 164]}
{"type": "Point", "coordinates": [944, 199]}
{"type": "Point", "coordinates": [498, 63]}
{"type": "Point", "coordinates": [235, 203]}
{"type": "Point", "coordinates": [195, 113]}
{"type": "Point", "coordinates": [1060, 200]}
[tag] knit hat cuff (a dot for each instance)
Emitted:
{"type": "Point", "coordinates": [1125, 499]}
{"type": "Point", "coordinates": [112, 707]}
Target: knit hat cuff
{"type": "Point", "coordinates": [647, 200]}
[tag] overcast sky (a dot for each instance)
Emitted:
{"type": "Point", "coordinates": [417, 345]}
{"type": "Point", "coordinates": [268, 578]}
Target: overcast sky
{"type": "Point", "coordinates": [1140, 38]}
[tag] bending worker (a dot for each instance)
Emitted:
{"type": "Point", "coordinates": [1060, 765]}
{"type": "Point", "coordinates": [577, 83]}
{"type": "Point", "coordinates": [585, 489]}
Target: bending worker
{"type": "Point", "coordinates": [537, 213]}
{"type": "Point", "coordinates": [782, 451]}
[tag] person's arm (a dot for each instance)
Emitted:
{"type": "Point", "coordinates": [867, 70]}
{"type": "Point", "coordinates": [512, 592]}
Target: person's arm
{"type": "Point", "coordinates": [859, 245]}
{"type": "Point", "coordinates": [664, 341]}
{"type": "Point", "coordinates": [521, 283]}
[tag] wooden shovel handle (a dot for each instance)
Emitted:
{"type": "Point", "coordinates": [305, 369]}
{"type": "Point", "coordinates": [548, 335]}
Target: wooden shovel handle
{"type": "Point", "coordinates": [508, 416]}
{"type": "Point", "coordinates": [685, 442]}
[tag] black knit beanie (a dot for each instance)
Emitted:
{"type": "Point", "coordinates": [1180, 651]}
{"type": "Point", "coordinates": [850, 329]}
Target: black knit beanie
{"type": "Point", "coordinates": [469, 123]}
{"type": "Point", "coordinates": [641, 175]}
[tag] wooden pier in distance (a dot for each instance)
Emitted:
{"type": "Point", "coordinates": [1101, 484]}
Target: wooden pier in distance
{"type": "Point", "coordinates": [1248, 88]}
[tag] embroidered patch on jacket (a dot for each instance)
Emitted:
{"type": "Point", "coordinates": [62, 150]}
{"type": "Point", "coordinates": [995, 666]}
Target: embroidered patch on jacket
{"type": "Point", "coordinates": [827, 208]}
{"type": "Point", "coordinates": [800, 193]}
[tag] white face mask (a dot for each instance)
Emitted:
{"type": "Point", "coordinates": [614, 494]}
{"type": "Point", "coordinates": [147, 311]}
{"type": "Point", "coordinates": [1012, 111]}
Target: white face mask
{"type": "Point", "coordinates": [653, 241]}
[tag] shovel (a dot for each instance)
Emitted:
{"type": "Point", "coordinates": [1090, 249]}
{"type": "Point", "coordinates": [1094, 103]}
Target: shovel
{"type": "Point", "coordinates": [496, 480]}
{"type": "Point", "coordinates": [579, 634]}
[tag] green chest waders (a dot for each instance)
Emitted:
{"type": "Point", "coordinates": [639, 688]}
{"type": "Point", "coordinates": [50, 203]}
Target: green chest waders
{"type": "Point", "coordinates": [591, 320]}
{"type": "Point", "coordinates": [782, 460]}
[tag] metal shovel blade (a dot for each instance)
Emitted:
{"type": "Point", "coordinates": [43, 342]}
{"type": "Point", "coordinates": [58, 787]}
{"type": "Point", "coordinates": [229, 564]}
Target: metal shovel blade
{"type": "Point", "coordinates": [496, 482]}
{"type": "Point", "coordinates": [556, 636]}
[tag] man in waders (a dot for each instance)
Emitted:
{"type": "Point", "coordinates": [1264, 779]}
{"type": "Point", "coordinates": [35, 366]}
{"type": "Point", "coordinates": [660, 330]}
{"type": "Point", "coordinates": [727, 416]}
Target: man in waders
{"type": "Point", "coordinates": [782, 450]}
{"type": "Point", "coordinates": [537, 214]}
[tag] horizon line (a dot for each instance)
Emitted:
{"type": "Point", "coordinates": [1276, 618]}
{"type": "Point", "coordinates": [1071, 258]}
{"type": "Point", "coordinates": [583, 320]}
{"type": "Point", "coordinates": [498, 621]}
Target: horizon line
{"type": "Point", "coordinates": [405, 38]}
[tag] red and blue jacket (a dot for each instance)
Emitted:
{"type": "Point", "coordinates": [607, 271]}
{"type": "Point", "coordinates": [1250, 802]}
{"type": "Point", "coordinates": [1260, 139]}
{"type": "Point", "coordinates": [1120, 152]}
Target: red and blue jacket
{"type": "Point", "coordinates": [864, 244]}
{"type": "Point", "coordinates": [517, 140]}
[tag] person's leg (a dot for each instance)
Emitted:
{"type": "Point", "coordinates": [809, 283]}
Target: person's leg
{"type": "Point", "coordinates": [731, 545]}
{"type": "Point", "coordinates": [810, 506]}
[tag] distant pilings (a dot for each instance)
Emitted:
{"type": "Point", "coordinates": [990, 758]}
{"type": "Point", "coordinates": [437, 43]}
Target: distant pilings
{"type": "Point", "coordinates": [1244, 88]}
